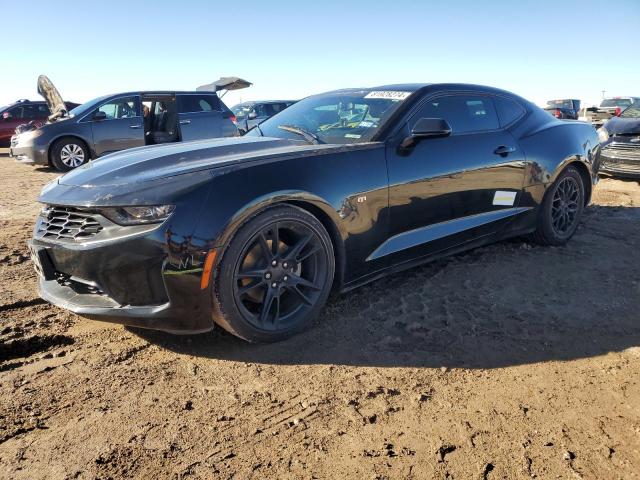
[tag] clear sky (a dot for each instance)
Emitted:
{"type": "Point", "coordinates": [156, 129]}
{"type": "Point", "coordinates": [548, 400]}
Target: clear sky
{"type": "Point", "coordinates": [538, 49]}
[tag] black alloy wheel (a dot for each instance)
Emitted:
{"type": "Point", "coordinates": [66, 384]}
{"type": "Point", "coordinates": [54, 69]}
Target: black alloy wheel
{"type": "Point", "coordinates": [565, 206]}
{"type": "Point", "coordinates": [561, 209]}
{"type": "Point", "coordinates": [278, 270]}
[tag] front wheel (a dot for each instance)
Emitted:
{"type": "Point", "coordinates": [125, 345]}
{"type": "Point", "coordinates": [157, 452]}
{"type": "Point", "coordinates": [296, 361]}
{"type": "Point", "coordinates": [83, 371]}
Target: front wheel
{"type": "Point", "coordinates": [561, 209]}
{"type": "Point", "coordinates": [68, 153]}
{"type": "Point", "coordinates": [275, 276]}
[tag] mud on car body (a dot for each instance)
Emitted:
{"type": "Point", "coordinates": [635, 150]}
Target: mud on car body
{"type": "Point", "coordinates": [252, 233]}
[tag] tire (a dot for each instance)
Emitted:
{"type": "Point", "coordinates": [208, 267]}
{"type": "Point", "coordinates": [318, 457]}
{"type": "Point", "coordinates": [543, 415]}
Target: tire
{"type": "Point", "coordinates": [68, 153]}
{"type": "Point", "coordinates": [266, 294]}
{"type": "Point", "coordinates": [561, 209]}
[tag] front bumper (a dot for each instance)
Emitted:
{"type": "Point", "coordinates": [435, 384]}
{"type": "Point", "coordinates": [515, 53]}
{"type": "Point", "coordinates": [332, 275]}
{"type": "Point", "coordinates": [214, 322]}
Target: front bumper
{"type": "Point", "coordinates": [133, 280]}
{"type": "Point", "coordinates": [621, 159]}
{"type": "Point", "coordinates": [26, 151]}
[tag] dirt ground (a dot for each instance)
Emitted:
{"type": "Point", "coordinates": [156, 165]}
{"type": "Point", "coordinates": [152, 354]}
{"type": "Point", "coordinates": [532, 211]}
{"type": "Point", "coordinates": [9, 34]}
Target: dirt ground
{"type": "Point", "coordinates": [511, 361]}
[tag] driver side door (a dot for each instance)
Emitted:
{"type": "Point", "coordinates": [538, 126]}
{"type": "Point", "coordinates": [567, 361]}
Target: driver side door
{"type": "Point", "coordinates": [121, 129]}
{"type": "Point", "coordinates": [454, 189]}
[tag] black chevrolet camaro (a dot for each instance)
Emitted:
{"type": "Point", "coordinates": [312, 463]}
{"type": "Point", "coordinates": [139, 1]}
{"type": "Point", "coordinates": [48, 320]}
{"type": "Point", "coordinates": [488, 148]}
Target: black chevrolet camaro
{"type": "Point", "coordinates": [341, 188]}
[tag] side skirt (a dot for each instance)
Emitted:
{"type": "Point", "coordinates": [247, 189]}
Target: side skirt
{"type": "Point", "coordinates": [473, 244]}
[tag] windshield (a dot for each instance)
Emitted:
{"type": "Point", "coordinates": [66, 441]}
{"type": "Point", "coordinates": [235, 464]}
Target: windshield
{"type": "Point", "coordinates": [337, 117]}
{"type": "Point", "coordinates": [86, 107]}
{"type": "Point", "coordinates": [632, 112]}
{"type": "Point", "coordinates": [616, 102]}
{"type": "Point", "coordinates": [560, 103]}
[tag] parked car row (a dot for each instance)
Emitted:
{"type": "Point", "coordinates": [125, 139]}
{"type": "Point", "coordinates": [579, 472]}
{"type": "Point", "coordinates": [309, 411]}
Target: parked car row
{"type": "Point", "coordinates": [74, 134]}
{"type": "Point", "coordinates": [608, 108]}
{"type": "Point", "coordinates": [618, 122]}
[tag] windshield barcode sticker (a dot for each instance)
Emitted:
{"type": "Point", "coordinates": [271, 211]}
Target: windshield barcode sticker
{"type": "Point", "coordinates": [387, 94]}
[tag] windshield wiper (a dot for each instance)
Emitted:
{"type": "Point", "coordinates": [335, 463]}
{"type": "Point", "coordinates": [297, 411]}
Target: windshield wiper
{"type": "Point", "coordinates": [308, 136]}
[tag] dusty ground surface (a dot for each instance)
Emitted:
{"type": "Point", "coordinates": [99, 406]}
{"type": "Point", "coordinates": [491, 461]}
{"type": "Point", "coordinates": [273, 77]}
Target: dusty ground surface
{"type": "Point", "coordinates": [511, 361]}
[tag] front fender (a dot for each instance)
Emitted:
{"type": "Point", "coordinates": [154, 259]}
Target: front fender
{"type": "Point", "coordinates": [263, 202]}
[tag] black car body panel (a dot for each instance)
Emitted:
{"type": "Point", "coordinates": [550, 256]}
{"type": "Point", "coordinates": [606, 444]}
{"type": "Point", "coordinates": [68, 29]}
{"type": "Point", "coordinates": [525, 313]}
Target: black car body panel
{"type": "Point", "coordinates": [385, 207]}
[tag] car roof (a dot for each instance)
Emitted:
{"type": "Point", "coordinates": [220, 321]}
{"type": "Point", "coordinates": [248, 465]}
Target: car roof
{"type": "Point", "coordinates": [160, 92]}
{"type": "Point", "coordinates": [414, 87]}
{"type": "Point", "coordinates": [253, 102]}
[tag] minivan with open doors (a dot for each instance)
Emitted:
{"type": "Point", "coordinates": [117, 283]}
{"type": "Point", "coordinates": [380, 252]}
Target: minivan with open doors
{"type": "Point", "coordinates": [117, 122]}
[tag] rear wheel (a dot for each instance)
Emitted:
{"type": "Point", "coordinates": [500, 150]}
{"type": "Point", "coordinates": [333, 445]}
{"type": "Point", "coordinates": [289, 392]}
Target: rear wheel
{"type": "Point", "coordinates": [275, 276]}
{"type": "Point", "coordinates": [561, 209]}
{"type": "Point", "coordinates": [68, 153]}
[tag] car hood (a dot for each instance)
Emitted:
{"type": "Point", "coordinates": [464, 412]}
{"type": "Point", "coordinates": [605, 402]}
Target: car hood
{"type": "Point", "coordinates": [51, 95]}
{"type": "Point", "coordinates": [145, 164]}
{"type": "Point", "coordinates": [623, 126]}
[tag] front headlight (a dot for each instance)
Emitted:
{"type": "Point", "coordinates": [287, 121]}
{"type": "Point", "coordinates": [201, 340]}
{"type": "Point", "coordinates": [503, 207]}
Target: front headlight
{"type": "Point", "coordinates": [603, 135]}
{"type": "Point", "coordinates": [27, 136]}
{"type": "Point", "coordinates": [138, 215]}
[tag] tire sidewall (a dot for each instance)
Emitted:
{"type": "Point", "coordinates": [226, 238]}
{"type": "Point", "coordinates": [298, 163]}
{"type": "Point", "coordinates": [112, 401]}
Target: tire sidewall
{"type": "Point", "coordinates": [228, 315]}
{"type": "Point", "coordinates": [546, 218]}
{"type": "Point", "coordinates": [57, 148]}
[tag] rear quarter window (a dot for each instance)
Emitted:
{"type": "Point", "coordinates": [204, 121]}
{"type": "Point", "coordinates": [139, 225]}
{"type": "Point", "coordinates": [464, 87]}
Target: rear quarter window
{"type": "Point", "coordinates": [508, 110]}
{"type": "Point", "coordinates": [198, 103]}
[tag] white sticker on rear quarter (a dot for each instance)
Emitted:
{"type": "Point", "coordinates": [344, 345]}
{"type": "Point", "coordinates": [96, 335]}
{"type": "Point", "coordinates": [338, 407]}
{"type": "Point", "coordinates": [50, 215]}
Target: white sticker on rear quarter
{"type": "Point", "coordinates": [504, 198]}
{"type": "Point", "coordinates": [388, 94]}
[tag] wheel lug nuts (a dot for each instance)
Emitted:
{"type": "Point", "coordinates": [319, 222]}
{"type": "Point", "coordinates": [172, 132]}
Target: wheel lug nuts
{"type": "Point", "coordinates": [274, 285]}
{"type": "Point", "coordinates": [274, 263]}
{"type": "Point", "coordinates": [285, 278]}
{"type": "Point", "coordinates": [285, 265]}
{"type": "Point", "coordinates": [267, 276]}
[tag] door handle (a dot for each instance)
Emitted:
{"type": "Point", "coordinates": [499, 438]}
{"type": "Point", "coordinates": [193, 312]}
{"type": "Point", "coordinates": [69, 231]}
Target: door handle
{"type": "Point", "coordinates": [185, 122]}
{"type": "Point", "coordinates": [135, 126]}
{"type": "Point", "coordinates": [504, 150]}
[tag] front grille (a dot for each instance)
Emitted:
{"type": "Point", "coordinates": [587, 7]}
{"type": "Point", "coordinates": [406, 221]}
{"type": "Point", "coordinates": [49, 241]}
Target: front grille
{"type": "Point", "coordinates": [67, 224]}
{"type": "Point", "coordinates": [622, 151]}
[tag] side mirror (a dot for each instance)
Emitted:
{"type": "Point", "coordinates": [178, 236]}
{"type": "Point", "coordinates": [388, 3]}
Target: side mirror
{"type": "Point", "coordinates": [426, 128]}
{"type": "Point", "coordinates": [6, 115]}
{"type": "Point", "coordinates": [252, 115]}
{"type": "Point", "coordinates": [99, 115]}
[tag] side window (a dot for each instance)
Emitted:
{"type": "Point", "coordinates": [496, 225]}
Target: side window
{"type": "Point", "coordinates": [30, 112]}
{"type": "Point", "coordinates": [198, 103]}
{"type": "Point", "coordinates": [463, 112]}
{"type": "Point", "coordinates": [508, 110]}
{"type": "Point", "coordinates": [125, 107]}
{"type": "Point", "coordinates": [16, 113]}
{"type": "Point", "coordinates": [43, 110]}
